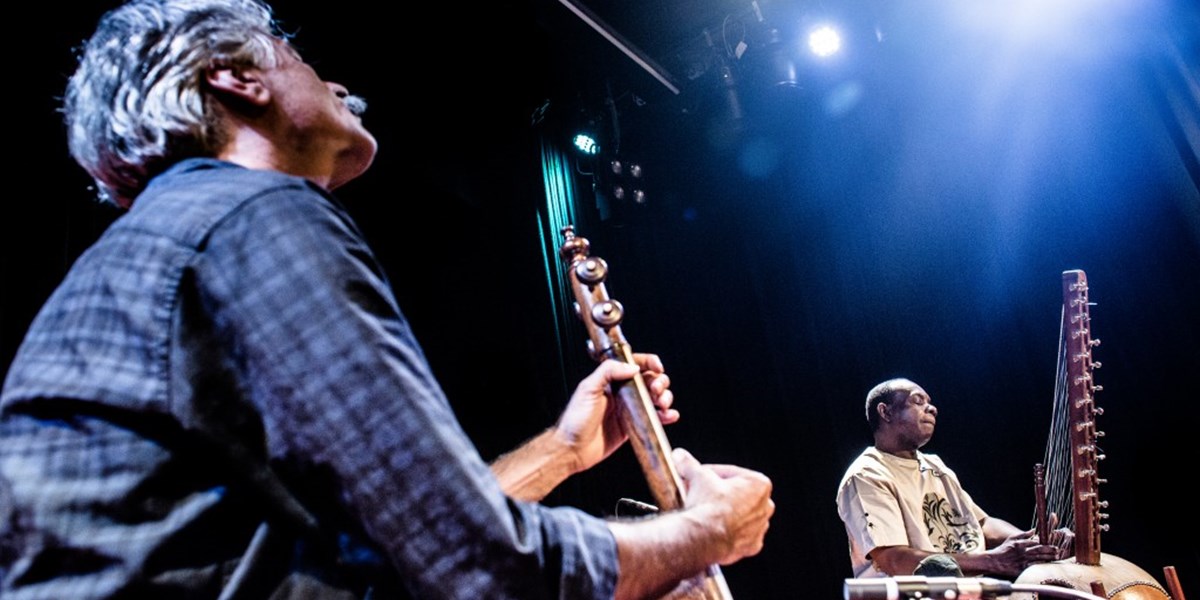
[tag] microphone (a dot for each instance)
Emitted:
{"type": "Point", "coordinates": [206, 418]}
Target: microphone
{"type": "Point", "coordinates": [912, 587]}
{"type": "Point", "coordinates": [938, 565]}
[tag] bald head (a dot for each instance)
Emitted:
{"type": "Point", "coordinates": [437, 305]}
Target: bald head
{"type": "Point", "coordinates": [886, 393]}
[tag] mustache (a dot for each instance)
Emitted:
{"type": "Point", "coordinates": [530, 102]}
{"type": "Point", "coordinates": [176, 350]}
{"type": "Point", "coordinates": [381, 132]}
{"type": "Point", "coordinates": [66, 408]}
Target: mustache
{"type": "Point", "coordinates": [355, 104]}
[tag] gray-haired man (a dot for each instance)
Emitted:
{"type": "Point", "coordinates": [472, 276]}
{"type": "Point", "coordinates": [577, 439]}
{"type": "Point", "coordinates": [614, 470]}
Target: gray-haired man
{"type": "Point", "coordinates": [223, 399]}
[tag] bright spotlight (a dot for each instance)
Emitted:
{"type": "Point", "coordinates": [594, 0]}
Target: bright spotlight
{"type": "Point", "coordinates": [586, 143]}
{"type": "Point", "coordinates": [824, 41]}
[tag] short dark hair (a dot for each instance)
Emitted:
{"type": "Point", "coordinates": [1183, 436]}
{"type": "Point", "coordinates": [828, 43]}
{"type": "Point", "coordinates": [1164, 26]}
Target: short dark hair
{"type": "Point", "coordinates": [884, 392]}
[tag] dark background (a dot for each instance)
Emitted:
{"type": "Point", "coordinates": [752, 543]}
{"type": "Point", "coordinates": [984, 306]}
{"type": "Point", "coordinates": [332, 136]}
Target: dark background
{"type": "Point", "coordinates": [905, 209]}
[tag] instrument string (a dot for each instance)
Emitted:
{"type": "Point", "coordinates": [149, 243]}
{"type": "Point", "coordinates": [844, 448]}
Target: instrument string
{"type": "Point", "coordinates": [1057, 458]}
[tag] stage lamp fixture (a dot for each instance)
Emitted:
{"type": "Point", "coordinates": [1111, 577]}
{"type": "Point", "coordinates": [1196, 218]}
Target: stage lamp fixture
{"type": "Point", "coordinates": [621, 169]}
{"type": "Point", "coordinates": [586, 144]}
{"type": "Point", "coordinates": [626, 182]}
{"type": "Point", "coordinates": [824, 41]}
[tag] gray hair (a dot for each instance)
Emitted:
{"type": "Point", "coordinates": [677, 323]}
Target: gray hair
{"type": "Point", "coordinates": [136, 104]}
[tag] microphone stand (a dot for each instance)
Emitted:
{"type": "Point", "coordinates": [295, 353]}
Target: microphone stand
{"type": "Point", "coordinates": [913, 587]}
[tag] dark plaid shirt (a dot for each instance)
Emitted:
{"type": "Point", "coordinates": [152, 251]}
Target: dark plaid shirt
{"type": "Point", "coordinates": [223, 397]}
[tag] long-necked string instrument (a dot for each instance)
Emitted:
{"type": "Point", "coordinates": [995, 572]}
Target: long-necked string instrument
{"type": "Point", "coordinates": [1068, 483]}
{"type": "Point", "coordinates": [602, 317]}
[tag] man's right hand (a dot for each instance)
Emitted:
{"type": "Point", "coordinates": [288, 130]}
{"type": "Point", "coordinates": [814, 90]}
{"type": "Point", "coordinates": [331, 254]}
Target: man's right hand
{"type": "Point", "coordinates": [724, 519]}
{"type": "Point", "coordinates": [1019, 551]}
{"type": "Point", "coordinates": [734, 502]}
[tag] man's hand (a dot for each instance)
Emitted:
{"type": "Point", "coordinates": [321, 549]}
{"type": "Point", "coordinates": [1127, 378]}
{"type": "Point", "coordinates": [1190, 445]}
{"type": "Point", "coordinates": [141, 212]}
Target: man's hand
{"type": "Point", "coordinates": [590, 426]}
{"type": "Point", "coordinates": [586, 433]}
{"type": "Point", "coordinates": [734, 502]}
{"type": "Point", "coordinates": [1061, 538]}
{"type": "Point", "coordinates": [724, 519]}
{"type": "Point", "coordinates": [1019, 551]}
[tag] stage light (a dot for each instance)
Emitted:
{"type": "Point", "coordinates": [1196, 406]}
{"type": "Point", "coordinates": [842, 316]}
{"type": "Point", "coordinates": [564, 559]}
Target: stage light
{"type": "Point", "coordinates": [623, 181]}
{"type": "Point", "coordinates": [824, 41]}
{"type": "Point", "coordinates": [586, 144]}
{"type": "Point", "coordinates": [781, 68]}
{"type": "Point", "coordinates": [621, 193]}
{"type": "Point", "coordinates": [621, 169]}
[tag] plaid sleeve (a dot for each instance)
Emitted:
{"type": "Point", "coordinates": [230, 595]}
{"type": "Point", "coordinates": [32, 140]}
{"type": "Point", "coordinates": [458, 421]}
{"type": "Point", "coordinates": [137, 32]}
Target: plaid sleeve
{"type": "Point", "coordinates": [333, 366]}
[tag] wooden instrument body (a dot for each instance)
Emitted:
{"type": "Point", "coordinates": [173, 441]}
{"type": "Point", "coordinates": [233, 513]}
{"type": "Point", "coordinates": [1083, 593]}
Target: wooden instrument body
{"type": "Point", "coordinates": [1082, 413]}
{"type": "Point", "coordinates": [1119, 578]}
{"type": "Point", "coordinates": [602, 316]}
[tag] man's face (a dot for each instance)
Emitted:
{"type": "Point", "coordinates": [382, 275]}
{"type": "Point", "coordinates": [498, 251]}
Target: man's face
{"type": "Point", "coordinates": [319, 122]}
{"type": "Point", "coordinates": [913, 415]}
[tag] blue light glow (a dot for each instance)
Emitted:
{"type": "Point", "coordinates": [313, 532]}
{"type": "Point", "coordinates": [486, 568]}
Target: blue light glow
{"type": "Point", "coordinates": [824, 41]}
{"type": "Point", "coordinates": [586, 144]}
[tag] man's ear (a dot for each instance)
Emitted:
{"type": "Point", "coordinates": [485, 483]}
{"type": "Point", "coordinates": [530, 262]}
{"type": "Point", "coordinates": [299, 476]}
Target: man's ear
{"type": "Point", "coordinates": [883, 409]}
{"type": "Point", "coordinates": [238, 85]}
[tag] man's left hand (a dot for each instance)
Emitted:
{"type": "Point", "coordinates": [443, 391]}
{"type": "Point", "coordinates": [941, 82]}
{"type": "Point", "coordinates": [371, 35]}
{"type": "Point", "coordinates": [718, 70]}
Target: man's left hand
{"type": "Point", "coordinates": [590, 425]}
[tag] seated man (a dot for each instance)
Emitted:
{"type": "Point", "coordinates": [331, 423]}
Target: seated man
{"type": "Point", "coordinates": [902, 507]}
{"type": "Point", "coordinates": [223, 399]}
